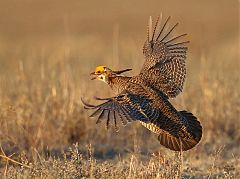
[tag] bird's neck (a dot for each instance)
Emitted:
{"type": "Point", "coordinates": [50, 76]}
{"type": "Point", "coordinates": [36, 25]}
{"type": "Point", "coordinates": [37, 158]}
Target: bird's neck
{"type": "Point", "coordinates": [118, 83]}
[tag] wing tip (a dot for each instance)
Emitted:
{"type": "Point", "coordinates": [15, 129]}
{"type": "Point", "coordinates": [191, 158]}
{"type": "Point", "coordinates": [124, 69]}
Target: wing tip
{"type": "Point", "coordinates": [87, 105]}
{"type": "Point", "coordinates": [149, 28]}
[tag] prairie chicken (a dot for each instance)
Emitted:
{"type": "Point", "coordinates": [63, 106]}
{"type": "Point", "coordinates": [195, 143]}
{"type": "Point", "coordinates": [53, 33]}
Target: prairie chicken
{"type": "Point", "coordinates": [144, 97]}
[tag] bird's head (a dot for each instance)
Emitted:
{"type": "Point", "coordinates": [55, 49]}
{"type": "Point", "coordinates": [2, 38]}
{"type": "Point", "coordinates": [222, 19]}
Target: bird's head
{"type": "Point", "coordinates": [103, 73]}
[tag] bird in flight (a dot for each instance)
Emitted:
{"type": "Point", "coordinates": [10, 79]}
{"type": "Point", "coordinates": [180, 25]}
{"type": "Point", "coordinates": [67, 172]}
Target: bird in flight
{"type": "Point", "coordinates": [145, 97]}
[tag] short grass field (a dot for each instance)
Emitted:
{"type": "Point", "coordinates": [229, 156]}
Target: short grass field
{"type": "Point", "coordinates": [49, 48]}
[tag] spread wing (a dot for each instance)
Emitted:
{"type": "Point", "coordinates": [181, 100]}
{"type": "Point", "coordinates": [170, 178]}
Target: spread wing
{"type": "Point", "coordinates": [126, 107]}
{"type": "Point", "coordinates": [138, 103]}
{"type": "Point", "coordinates": [165, 54]}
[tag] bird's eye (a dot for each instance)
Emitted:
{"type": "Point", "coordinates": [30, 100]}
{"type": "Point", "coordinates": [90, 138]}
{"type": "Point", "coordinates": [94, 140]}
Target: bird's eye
{"type": "Point", "coordinates": [98, 71]}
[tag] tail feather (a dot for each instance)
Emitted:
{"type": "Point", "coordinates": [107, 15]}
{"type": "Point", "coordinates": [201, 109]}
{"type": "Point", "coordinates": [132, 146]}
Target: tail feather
{"type": "Point", "coordinates": [189, 136]}
{"type": "Point", "coordinates": [193, 125]}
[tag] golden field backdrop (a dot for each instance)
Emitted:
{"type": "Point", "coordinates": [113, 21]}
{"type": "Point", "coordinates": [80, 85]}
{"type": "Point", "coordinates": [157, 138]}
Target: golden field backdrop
{"type": "Point", "coordinates": [48, 49]}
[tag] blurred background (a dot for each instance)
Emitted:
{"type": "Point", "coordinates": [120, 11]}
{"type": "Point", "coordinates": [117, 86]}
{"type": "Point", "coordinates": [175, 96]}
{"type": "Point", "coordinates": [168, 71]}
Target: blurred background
{"type": "Point", "coordinates": [97, 30]}
{"type": "Point", "coordinates": [48, 48]}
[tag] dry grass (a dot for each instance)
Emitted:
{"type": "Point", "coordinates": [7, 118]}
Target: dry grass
{"type": "Point", "coordinates": [42, 78]}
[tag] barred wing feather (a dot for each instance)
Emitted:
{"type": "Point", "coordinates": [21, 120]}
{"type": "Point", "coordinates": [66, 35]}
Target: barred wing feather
{"type": "Point", "coordinates": [176, 130]}
{"type": "Point", "coordinates": [164, 67]}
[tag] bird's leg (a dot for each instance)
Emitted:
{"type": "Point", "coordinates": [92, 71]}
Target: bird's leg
{"type": "Point", "coordinates": [180, 161]}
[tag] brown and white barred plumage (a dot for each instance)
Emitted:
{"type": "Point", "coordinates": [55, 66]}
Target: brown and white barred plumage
{"type": "Point", "coordinates": [176, 130]}
{"type": "Point", "coordinates": [144, 97]}
{"type": "Point", "coordinates": [164, 68]}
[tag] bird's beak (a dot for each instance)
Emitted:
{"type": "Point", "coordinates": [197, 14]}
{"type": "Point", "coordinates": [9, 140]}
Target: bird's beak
{"type": "Point", "coordinates": [93, 73]}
